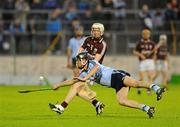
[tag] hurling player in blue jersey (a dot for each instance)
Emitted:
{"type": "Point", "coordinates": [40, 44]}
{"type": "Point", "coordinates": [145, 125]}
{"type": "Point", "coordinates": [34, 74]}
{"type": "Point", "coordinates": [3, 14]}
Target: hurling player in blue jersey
{"type": "Point", "coordinates": [120, 80]}
{"type": "Point", "coordinates": [96, 47]}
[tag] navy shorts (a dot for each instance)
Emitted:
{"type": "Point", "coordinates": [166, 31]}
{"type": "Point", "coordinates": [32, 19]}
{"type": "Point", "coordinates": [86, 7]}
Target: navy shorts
{"type": "Point", "coordinates": [117, 79]}
{"type": "Point", "coordinates": [74, 62]}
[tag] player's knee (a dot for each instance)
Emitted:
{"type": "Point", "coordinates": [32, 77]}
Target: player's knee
{"type": "Point", "coordinates": [77, 87]}
{"type": "Point", "coordinates": [135, 83]}
{"type": "Point", "coordinates": [122, 100]}
{"type": "Point", "coordinates": [74, 86]}
{"type": "Point", "coordinates": [92, 95]}
{"type": "Point", "coordinates": [87, 93]}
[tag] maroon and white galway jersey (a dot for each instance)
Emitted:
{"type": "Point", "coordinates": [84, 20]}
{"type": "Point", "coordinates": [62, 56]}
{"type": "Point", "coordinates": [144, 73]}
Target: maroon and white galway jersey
{"type": "Point", "coordinates": [162, 52]}
{"type": "Point", "coordinates": [146, 47]}
{"type": "Point", "coordinates": [95, 46]}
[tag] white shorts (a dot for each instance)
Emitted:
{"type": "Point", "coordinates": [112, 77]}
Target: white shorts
{"type": "Point", "coordinates": [161, 65]}
{"type": "Point", "coordinates": [147, 65]}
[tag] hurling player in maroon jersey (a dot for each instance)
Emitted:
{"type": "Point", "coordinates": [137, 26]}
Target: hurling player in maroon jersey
{"type": "Point", "coordinates": [145, 51]}
{"type": "Point", "coordinates": [95, 44]}
{"type": "Point", "coordinates": [162, 59]}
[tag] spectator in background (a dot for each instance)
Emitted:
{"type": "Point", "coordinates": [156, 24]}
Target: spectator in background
{"type": "Point", "coordinates": [17, 29]}
{"type": "Point", "coordinates": [71, 13]}
{"type": "Point", "coordinates": [50, 4]}
{"type": "Point", "coordinates": [8, 5]}
{"type": "Point", "coordinates": [97, 14]}
{"type": "Point", "coordinates": [86, 19]}
{"type": "Point", "coordinates": [107, 8]}
{"type": "Point", "coordinates": [68, 3]}
{"type": "Point", "coordinates": [169, 16]}
{"type": "Point", "coordinates": [17, 26]}
{"type": "Point", "coordinates": [120, 14]}
{"type": "Point", "coordinates": [174, 5]}
{"type": "Point", "coordinates": [32, 26]}
{"type": "Point", "coordinates": [36, 4]}
{"type": "Point", "coordinates": [32, 30]}
{"type": "Point", "coordinates": [83, 5]}
{"type": "Point", "coordinates": [54, 26]}
{"type": "Point", "coordinates": [158, 19]}
{"type": "Point", "coordinates": [71, 17]}
{"type": "Point", "coordinates": [22, 8]}
{"type": "Point", "coordinates": [94, 3]}
{"type": "Point", "coordinates": [36, 17]}
{"type": "Point", "coordinates": [145, 17]}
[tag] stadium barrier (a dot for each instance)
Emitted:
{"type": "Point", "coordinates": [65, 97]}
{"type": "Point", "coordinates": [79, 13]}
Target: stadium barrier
{"type": "Point", "coordinates": [28, 69]}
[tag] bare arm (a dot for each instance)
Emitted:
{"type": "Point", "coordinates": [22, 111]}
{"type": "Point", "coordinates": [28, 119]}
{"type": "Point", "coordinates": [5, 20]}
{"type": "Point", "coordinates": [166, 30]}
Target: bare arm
{"type": "Point", "coordinates": [80, 50]}
{"type": "Point", "coordinates": [64, 83]}
{"type": "Point", "coordinates": [93, 71]}
{"type": "Point", "coordinates": [138, 54]}
{"type": "Point", "coordinates": [98, 57]}
{"type": "Point", "coordinates": [156, 48]}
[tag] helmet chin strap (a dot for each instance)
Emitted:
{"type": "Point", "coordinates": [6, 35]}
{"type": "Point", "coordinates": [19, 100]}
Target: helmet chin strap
{"type": "Point", "coordinates": [83, 65]}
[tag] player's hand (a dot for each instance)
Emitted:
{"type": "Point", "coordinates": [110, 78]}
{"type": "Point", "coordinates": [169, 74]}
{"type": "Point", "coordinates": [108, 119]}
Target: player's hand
{"type": "Point", "coordinates": [142, 57]}
{"type": "Point", "coordinates": [91, 57]}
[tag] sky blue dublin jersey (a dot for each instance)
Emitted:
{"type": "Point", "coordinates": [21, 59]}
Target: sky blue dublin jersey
{"type": "Point", "coordinates": [102, 76]}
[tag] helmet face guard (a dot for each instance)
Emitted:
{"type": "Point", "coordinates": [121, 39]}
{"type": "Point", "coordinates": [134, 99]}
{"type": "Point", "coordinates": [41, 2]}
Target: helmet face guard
{"type": "Point", "coordinates": [81, 60]}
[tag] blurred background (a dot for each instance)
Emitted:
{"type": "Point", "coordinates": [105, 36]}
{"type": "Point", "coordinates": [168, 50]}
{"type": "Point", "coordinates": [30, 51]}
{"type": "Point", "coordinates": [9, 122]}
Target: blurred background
{"type": "Point", "coordinates": [34, 34]}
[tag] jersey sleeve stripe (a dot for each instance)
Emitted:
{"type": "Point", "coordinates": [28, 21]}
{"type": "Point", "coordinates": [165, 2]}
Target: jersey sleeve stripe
{"type": "Point", "coordinates": [104, 48]}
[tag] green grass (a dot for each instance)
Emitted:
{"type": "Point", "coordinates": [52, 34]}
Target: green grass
{"type": "Point", "coordinates": [31, 109]}
{"type": "Point", "coordinates": [175, 79]}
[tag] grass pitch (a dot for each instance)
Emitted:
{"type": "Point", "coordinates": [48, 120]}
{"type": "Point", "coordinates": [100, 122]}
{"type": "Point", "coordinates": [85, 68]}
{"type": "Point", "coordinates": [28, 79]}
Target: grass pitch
{"type": "Point", "coordinates": [31, 109]}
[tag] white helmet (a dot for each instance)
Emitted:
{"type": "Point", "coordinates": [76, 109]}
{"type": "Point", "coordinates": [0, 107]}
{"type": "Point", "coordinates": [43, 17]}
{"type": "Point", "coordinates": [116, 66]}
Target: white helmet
{"type": "Point", "coordinates": [163, 37]}
{"type": "Point", "coordinates": [98, 25]}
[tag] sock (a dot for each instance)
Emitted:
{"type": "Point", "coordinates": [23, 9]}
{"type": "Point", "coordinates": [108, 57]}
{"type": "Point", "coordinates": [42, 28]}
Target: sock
{"type": "Point", "coordinates": [95, 102]}
{"type": "Point", "coordinates": [64, 104]}
{"type": "Point", "coordinates": [144, 107]}
{"type": "Point", "coordinates": [60, 107]}
{"type": "Point", "coordinates": [154, 87]}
